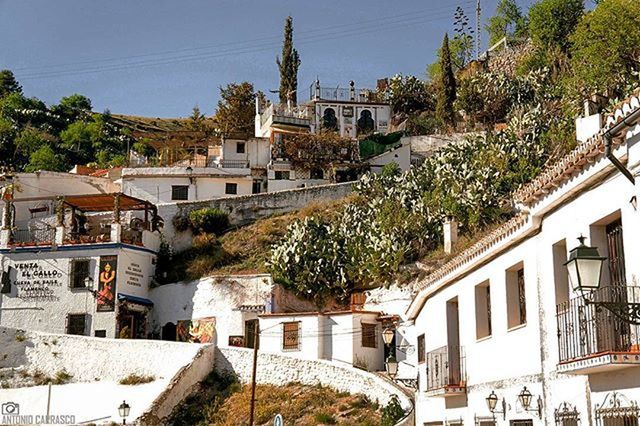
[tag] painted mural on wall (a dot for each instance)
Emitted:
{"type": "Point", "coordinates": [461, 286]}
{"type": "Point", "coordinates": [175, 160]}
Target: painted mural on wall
{"type": "Point", "coordinates": [196, 331]}
{"type": "Point", "coordinates": [37, 280]}
{"type": "Point", "coordinates": [107, 284]}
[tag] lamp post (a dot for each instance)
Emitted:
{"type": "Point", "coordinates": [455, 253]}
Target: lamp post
{"type": "Point", "coordinates": [525, 401]}
{"type": "Point", "coordinates": [492, 404]}
{"type": "Point", "coordinates": [585, 272]}
{"type": "Point", "coordinates": [391, 365]}
{"type": "Point", "coordinates": [124, 410]}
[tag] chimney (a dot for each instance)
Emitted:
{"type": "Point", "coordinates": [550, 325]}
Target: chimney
{"type": "Point", "coordinates": [352, 90]}
{"type": "Point", "coordinates": [450, 228]}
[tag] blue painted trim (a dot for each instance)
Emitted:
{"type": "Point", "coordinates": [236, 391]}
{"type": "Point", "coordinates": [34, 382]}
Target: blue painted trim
{"type": "Point", "coordinates": [135, 299]}
{"type": "Point", "coordinates": [75, 247]}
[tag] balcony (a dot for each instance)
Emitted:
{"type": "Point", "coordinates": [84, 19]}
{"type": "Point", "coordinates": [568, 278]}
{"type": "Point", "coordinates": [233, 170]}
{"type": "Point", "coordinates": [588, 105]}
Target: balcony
{"type": "Point", "coordinates": [234, 164]}
{"type": "Point", "coordinates": [594, 339]}
{"type": "Point", "coordinates": [32, 237]}
{"type": "Point", "coordinates": [446, 372]}
{"type": "Point", "coordinates": [282, 114]}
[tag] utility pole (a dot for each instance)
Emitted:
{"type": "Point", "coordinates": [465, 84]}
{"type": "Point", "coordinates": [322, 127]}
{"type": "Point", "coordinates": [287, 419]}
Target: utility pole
{"type": "Point", "coordinates": [256, 340]}
{"type": "Point", "coordinates": [478, 10]}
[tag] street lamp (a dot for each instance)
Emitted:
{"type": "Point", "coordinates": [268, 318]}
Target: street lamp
{"type": "Point", "coordinates": [525, 401]}
{"type": "Point", "coordinates": [387, 336]}
{"type": "Point", "coordinates": [124, 410]}
{"type": "Point", "coordinates": [585, 270]}
{"type": "Point", "coordinates": [584, 267]}
{"type": "Point", "coordinates": [391, 365]}
{"type": "Point", "coordinates": [492, 404]}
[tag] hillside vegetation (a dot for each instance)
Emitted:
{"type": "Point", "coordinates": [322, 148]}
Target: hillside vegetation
{"type": "Point", "coordinates": [221, 401]}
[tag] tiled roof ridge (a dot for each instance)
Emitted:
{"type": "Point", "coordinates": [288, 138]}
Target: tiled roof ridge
{"type": "Point", "coordinates": [480, 247]}
{"type": "Point", "coordinates": [585, 153]}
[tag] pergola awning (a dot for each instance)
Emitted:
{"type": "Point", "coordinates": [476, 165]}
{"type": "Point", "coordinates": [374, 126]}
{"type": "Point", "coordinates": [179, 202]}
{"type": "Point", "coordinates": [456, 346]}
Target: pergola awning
{"type": "Point", "coordinates": [105, 202]}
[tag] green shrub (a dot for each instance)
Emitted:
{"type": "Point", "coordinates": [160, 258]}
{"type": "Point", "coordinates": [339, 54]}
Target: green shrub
{"type": "Point", "coordinates": [135, 379]}
{"type": "Point", "coordinates": [325, 418]}
{"type": "Point", "coordinates": [392, 412]}
{"type": "Point", "coordinates": [209, 220]}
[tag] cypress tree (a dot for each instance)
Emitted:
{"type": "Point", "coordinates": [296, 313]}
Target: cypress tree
{"type": "Point", "coordinates": [288, 65]}
{"type": "Point", "coordinates": [446, 87]}
{"type": "Point", "coordinates": [8, 83]}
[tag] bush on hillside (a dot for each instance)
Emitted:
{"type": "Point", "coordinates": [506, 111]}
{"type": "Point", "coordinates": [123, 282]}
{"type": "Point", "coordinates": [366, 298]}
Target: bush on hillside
{"type": "Point", "coordinates": [209, 220]}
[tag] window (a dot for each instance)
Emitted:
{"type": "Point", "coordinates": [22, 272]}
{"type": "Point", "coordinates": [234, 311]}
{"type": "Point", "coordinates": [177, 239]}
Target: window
{"type": "Point", "coordinates": [290, 336]}
{"type": "Point", "coordinates": [282, 175]}
{"type": "Point", "coordinates": [179, 192]}
{"type": "Point", "coordinates": [516, 299]}
{"type": "Point", "coordinates": [5, 281]}
{"type": "Point", "coordinates": [485, 421]}
{"type": "Point", "coordinates": [525, 422]}
{"type": "Point", "coordinates": [365, 122]}
{"type": "Point", "coordinates": [240, 147]}
{"type": "Point", "coordinates": [316, 174]}
{"type": "Point", "coordinates": [421, 349]}
{"type": "Point", "coordinates": [483, 310]}
{"type": "Point", "coordinates": [560, 275]}
{"type": "Point", "coordinates": [100, 333]}
{"type": "Point", "coordinates": [231, 188]}
{"type": "Point", "coordinates": [566, 415]}
{"type": "Point", "coordinates": [369, 336]}
{"type": "Point", "coordinates": [256, 188]}
{"type": "Point", "coordinates": [76, 324]}
{"type": "Point", "coordinates": [329, 119]}
{"type": "Point", "coordinates": [615, 253]}
{"type": "Point", "coordinates": [79, 271]}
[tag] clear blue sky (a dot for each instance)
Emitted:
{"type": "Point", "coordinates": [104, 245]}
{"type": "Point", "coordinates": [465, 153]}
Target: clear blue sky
{"type": "Point", "coordinates": [161, 57]}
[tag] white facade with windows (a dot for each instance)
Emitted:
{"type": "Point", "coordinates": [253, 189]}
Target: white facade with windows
{"type": "Point", "coordinates": [501, 316]}
{"type": "Point", "coordinates": [348, 337]}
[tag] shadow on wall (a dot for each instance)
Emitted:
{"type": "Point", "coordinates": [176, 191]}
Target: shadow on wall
{"type": "Point", "coordinates": [13, 348]}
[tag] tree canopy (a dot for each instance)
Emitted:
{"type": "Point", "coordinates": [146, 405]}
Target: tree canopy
{"type": "Point", "coordinates": [236, 108]}
{"type": "Point", "coordinates": [507, 22]}
{"type": "Point", "coordinates": [551, 22]}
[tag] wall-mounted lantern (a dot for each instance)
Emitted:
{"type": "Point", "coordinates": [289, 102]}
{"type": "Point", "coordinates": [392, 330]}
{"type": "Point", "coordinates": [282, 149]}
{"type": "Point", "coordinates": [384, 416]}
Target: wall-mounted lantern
{"type": "Point", "coordinates": [391, 365]}
{"type": "Point", "coordinates": [525, 401]}
{"type": "Point", "coordinates": [584, 267]}
{"type": "Point", "coordinates": [492, 404]}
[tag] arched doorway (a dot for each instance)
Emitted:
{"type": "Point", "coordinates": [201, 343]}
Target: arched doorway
{"type": "Point", "coordinates": [169, 332]}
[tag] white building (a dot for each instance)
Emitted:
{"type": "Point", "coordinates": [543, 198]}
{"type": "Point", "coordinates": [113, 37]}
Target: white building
{"type": "Point", "coordinates": [85, 270]}
{"type": "Point", "coordinates": [351, 337]}
{"type": "Point", "coordinates": [502, 316]}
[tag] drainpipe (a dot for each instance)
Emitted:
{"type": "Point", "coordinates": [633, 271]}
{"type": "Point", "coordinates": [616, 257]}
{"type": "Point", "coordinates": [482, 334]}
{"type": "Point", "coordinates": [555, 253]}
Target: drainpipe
{"type": "Point", "coordinates": [608, 139]}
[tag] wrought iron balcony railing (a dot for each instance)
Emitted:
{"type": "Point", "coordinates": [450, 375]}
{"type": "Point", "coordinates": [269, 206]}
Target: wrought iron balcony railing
{"type": "Point", "coordinates": [445, 368]}
{"type": "Point", "coordinates": [589, 329]}
{"type": "Point", "coordinates": [234, 164]}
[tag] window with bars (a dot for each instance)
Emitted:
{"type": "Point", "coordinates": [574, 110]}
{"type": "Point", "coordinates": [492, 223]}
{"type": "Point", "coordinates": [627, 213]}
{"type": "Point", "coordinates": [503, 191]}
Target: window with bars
{"type": "Point", "coordinates": [369, 336]}
{"type": "Point", "coordinates": [180, 192]}
{"type": "Point", "coordinates": [483, 310]}
{"type": "Point", "coordinates": [421, 349]}
{"type": "Point", "coordinates": [516, 297]}
{"type": "Point", "coordinates": [524, 422]}
{"type": "Point", "coordinates": [76, 324]}
{"type": "Point", "coordinates": [79, 272]}
{"type": "Point", "coordinates": [291, 336]}
{"type": "Point", "coordinates": [566, 415]}
{"type": "Point", "coordinates": [231, 188]}
{"type": "Point", "coordinates": [240, 147]}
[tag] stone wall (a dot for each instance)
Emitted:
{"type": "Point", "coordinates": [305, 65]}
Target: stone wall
{"type": "Point", "coordinates": [279, 370]}
{"type": "Point", "coordinates": [245, 209]}
{"type": "Point", "coordinates": [507, 60]}
{"type": "Point", "coordinates": [181, 386]}
{"type": "Point", "coordinates": [89, 359]}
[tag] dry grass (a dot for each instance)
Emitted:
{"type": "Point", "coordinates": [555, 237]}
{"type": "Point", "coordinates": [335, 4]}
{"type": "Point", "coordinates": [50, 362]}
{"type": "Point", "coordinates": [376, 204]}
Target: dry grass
{"type": "Point", "coordinates": [135, 379]}
{"type": "Point", "coordinates": [220, 403]}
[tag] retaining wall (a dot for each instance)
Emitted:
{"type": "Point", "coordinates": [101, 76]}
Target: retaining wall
{"type": "Point", "coordinates": [279, 370]}
{"type": "Point", "coordinates": [244, 209]}
{"type": "Point", "coordinates": [181, 386]}
{"type": "Point", "coordinates": [89, 359]}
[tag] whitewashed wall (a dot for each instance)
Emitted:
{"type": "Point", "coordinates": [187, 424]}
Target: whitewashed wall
{"type": "Point", "coordinates": [279, 370]}
{"type": "Point", "coordinates": [156, 186]}
{"type": "Point", "coordinates": [528, 355]}
{"type": "Point", "coordinates": [218, 296]}
{"type": "Point", "coordinates": [52, 184]}
{"type": "Point", "coordinates": [48, 311]}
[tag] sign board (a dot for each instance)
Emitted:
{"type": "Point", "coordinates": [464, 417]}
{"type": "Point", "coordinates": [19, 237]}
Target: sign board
{"type": "Point", "coordinates": [37, 280]}
{"type": "Point", "coordinates": [277, 421]}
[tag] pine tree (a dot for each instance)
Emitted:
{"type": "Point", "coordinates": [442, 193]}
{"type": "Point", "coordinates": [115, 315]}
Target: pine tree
{"type": "Point", "coordinates": [8, 83]}
{"type": "Point", "coordinates": [446, 87]}
{"type": "Point", "coordinates": [288, 65]}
